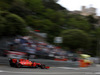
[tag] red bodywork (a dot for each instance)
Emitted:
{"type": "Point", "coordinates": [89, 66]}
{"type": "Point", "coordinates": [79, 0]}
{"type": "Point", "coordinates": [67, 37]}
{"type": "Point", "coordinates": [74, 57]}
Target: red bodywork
{"type": "Point", "coordinates": [25, 62]}
{"type": "Point", "coordinates": [28, 63]}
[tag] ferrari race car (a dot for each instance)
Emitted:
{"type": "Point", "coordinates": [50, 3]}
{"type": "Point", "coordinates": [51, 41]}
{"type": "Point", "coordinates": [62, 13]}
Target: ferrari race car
{"type": "Point", "coordinates": [23, 62]}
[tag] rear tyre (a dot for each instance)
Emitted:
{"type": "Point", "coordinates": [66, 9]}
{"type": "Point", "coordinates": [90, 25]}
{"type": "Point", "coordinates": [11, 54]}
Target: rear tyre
{"type": "Point", "coordinates": [10, 62]}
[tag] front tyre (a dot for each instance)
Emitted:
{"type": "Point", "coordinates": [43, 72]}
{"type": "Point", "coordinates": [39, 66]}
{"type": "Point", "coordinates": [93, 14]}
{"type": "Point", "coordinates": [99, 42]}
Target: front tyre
{"type": "Point", "coordinates": [42, 66]}
{"type": "Point", "coordinates": [18, 65]}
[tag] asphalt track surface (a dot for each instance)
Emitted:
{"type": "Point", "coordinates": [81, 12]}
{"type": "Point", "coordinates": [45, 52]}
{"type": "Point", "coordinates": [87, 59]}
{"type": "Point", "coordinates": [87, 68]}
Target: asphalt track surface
{"type": "Point", "coordinates": [59, 69]}
{"type": "Point", "coordinates": [7, 70]}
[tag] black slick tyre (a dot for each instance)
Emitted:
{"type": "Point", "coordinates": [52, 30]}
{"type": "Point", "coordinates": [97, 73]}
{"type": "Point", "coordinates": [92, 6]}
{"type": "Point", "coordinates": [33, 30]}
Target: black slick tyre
{"type": "Point", "coordinates": [42, 66]}
{"type": "Point", "coordinates": [18, 65]}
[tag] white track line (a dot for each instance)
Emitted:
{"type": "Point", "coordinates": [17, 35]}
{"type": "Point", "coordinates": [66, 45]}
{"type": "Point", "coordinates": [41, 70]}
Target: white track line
{"type": "Point", "coordinates": [97, 73]}
{"type": "Point", "coordinates": [53, 73]}
{"type": "Point", "coordinates": [57, 73]}
{"type": "Point", "coordinates": [1, 71]}
{"type": "Point", "coordinates": [72, 68]}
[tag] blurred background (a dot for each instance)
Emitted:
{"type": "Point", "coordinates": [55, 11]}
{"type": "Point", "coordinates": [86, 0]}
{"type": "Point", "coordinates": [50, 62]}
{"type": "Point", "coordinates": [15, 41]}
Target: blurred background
{"type": "Point", "coordinates": [45, 29]}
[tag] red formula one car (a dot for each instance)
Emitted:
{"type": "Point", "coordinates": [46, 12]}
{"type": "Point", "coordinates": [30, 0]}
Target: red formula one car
{"type": "Point", "coordinates": [23, 62]}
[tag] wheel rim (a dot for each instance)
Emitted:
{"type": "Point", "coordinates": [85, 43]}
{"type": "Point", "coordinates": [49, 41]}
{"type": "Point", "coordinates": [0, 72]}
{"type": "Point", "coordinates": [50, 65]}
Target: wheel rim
{"type": "Point", "coordinates": [19, 65]}
{"type": "Point", "coordinates": [42, 66]}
